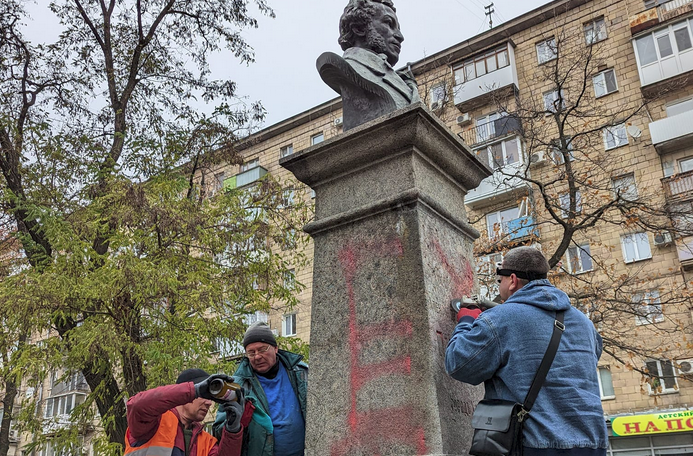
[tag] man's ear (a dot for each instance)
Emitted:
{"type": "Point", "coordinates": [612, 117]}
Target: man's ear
{"type": "Point", "coordinates": [359, 30]}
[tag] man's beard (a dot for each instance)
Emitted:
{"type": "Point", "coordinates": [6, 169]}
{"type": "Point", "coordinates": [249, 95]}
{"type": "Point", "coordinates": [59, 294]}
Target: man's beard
{"type": "Point", "coordinates": [377, 44]}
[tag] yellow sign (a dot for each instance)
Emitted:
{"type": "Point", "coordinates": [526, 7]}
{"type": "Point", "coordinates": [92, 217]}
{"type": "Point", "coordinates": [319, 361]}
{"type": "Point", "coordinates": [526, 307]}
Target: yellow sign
{"type": "Point", "coordinates": [657, 423]}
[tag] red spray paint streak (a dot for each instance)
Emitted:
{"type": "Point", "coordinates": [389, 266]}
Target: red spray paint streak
{"type": "Point", "coordinates": [462, 281]}
{"type": "Point", "coordinates": [368, 430]}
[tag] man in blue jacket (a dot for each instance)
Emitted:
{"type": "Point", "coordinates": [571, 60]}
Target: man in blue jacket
{"type": "Point", "coordinates": [504, 345]}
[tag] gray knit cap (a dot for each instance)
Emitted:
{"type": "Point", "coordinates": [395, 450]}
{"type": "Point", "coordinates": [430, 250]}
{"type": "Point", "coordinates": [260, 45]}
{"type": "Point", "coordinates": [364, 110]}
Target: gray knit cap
{"type": "Point", "coordinates": [259, 332]}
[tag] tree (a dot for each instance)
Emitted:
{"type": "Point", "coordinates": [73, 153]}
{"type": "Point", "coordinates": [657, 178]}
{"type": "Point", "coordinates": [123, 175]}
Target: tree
{"type": "Point", "coordinates": [133, 271]}
{"type": "Point", "coordinates": [580, 191]}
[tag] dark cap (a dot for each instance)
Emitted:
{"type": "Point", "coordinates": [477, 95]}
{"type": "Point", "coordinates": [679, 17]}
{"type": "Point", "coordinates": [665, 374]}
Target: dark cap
{"type": "Point", "coordinates": [192, 375]}
{"type": "Point", "coordinates": [259, 332]}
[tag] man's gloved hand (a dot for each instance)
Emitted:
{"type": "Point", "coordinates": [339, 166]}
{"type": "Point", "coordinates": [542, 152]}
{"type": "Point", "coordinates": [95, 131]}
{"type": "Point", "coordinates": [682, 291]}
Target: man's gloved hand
{"type": "Point", "coordinates": [470, 312]}
{"type": "Point", "coordinates": [234, 412]}
{"type": "Point", "coordinates": [202, 388]}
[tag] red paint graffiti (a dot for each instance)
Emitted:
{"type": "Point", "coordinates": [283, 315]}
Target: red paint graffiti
{"type": "Point", "coordinates": [462, 281]}
{"type": "Point", "coordinates": [369, 430]}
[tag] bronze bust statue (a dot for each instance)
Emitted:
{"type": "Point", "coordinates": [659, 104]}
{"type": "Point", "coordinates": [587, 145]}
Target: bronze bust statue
{"type": "Point", "coordinates": [364, 76]}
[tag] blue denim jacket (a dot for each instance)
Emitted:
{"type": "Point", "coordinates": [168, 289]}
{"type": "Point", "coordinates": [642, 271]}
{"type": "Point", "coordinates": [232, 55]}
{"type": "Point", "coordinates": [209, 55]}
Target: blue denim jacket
{"type": "Point", "coordinates": [503, 348]}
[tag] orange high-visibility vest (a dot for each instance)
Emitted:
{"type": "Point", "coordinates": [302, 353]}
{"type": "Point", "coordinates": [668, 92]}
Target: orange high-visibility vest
{"type": "Point", "coordinates": [163, 442]}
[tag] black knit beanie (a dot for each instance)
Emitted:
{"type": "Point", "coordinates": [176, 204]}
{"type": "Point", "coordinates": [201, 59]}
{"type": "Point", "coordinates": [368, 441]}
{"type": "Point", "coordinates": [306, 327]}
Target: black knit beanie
{"type": "Point", "coordinates": [259, 332]}
{"type": "Point", "coordinates": [192, 375]}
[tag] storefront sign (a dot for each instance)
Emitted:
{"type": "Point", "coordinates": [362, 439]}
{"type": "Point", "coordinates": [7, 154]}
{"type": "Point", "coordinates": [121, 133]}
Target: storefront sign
{"type": "Point", "coordinates": [658, 423]}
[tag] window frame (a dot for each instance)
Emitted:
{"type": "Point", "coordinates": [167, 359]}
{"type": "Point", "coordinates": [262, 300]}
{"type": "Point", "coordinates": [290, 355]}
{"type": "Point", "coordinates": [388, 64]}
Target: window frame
{"type": "Point", "coordinates": [522, 211]}
{"type": "Point", "coordinates": [651, 301]}
{"type": "Point", "coordinates": [461, 74]}
{"type": "Point", "coordinates": [631, 237]}
{"type": "Point", "coordinates": [314, 138]}
{"type": "Point", "coordinates": [648, 46]}
{"type": "Point", "coordinates": [618, 139]}
{"type": "Point", "coordinates": [250, 164]}
{"type": "Point", "coordinates": [579, 250]}
{"type": "Point", "coordinates": [564, 203]}
{"type": "Point", "coordinates": [661, 376]}
{"type": "Point", "coordinates": [602, 395]}
{"type": "Point", "coordinates": [285, 151]}
{"type": "Point", "coordinates": [602, 74]}
{"type": "Point", "coordinates": [630, 191]}
{"type": "Point", "coordinates": [289, 318]}
{"type": "Point", "coordinates": [591, 26]}
{"type": "Point", "coordinates": [435, 90]}
{"type": "Point", "coordinates": [550, 105]}
{"type": "Point", "coordinates": [543, 46]}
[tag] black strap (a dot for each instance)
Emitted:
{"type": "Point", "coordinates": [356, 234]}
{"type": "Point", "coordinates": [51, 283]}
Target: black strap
{"type": "Point", "coordinates": [550, 354]}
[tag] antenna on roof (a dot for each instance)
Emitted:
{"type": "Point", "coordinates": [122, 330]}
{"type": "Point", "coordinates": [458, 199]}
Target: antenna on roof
{"type": "Point", "coordinates": [488, 13]}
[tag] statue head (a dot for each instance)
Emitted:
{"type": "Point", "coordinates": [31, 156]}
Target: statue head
{"type": "Point", "coordinates": [373, 25]}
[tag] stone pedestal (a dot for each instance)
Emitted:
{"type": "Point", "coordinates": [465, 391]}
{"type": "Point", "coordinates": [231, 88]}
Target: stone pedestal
{"type": "Point", "coordinates": [392, 248]}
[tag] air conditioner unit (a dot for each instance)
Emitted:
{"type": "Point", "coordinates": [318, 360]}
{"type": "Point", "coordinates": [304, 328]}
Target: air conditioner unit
{"type": "Point", "coordinates": [537, 158]}
{"type": "Point", "coordinates": [464, 118]}
{"type": "Point", "coordinates": [338, 121]}
{"type": "Point", "coordinates": [685, 366]}
{"type": "Point", "coordinates": [14, 435]}
{"type": "Point", "coordinates": [662, 238]}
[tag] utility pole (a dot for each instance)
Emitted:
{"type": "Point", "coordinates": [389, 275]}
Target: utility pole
{"type": "Point", "coordinates": [488, 13]}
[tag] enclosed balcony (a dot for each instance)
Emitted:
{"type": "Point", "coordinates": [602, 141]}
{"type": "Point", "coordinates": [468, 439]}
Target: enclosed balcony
{"type": "Point", "coordinates": [479, 78]}
{"type": "Point", "coordinates": [491, 131]}
{"type": "Point", "coordinates": [522, 228]}
{"type": "Point", "coordinates": [504, 184]}
{"type": "Point", "coordinates": [672, 133]}
{"type": "Point", "coordinates": [244, 178]}
{"type": "Point", "coordinates": [684, 249]}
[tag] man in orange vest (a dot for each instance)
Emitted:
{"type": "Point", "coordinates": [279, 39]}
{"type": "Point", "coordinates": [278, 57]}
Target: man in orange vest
{"type": "Point", "coordinates": [167, 419]}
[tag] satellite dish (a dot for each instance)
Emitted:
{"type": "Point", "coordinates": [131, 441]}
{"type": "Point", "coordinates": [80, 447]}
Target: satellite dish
{"type": "Point", "coordinates": [634, 131]}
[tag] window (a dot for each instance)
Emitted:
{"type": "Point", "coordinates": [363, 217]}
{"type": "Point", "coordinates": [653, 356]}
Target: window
{"type": "Point", "coordinates": [624, 186]}
{"type": "Point", "coordinates": [290, 279]}
{"type": "Point", "coordinates": [662, 378]}
{"type": "Point", "coordinates": [665, 52]}
{"type": "Point", "coordinates": [486, 273]}
{"type": "Point", "coordinates": [679, 107]}
{"type": "Point", "coordinates": [438, 96]}
{"type": "Point", "coordinates": [289, 325]}
{"type": "Point", "coordinates": [557, 153]}
{"type": "Point", "coordinates": [486, 127]}
{"type": "Point", "coordinates": [286, 151]}
{"type": "Point", "coordinates": [579, 259]}
{"type": "Point", "coordinates": [503, 153]}
{"type": "Point", "coordinates": [636, 247]}
{"type": "Point", "coordinates": [497, 222]}
{"type": "Point", "coordinates": [553, 100]}
{"type": "Point", "coordinates": [287, 198]}
{"type": "Point", "coordinates": [250, 164]}
{"type": "Point", "coordinates": [547, 50]}
{"type": "Point", "coordinates": [647, 308]}
{"type": "Point", "coordinates": [604, 83]}
{"type": "Point", "coordinates": [564, 201]}
{"type": "Point", "coordinates": [481, 65]}
{"type": "Point", "coordinates": [255, 317]}
{"type": "Point", "coordinates": [317, 139]}
{"type": "Point", "coordinates": [606, 385]}
{"type": "Point", "coordinates": [595, 31]}
{"type": "Point", "coordinates": [615, 136]}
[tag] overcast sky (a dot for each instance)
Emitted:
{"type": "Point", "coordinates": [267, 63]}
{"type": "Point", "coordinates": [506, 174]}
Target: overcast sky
{"type": "Point", "coordinates": [284, 77]}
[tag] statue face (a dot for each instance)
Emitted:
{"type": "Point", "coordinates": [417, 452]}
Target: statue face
{"type": "Point", "coordinates": [383, 35]}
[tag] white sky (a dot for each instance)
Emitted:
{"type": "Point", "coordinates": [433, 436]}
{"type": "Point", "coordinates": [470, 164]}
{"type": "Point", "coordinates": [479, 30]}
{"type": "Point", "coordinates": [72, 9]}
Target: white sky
{"type": "Point", "coordinates": [284, 77]}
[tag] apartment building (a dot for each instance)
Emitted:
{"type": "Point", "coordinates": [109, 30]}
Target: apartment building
{"type": "Point", "coordinates": [604, 86]}
{"type": "Point", "coordinates": [584, 111]}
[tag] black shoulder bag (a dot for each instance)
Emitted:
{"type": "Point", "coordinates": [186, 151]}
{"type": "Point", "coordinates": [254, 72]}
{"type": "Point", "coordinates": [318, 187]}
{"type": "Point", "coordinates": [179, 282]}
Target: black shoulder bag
{"type": "Point", "coordinates": [498, 423]}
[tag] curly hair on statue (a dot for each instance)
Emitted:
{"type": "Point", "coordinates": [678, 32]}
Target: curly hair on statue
{"type": "Point", "coordinates": [358, 13]}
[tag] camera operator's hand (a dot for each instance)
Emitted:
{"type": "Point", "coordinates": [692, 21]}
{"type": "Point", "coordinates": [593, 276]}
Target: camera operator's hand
{"type": "Point", "coordinates": [202, 388]}
{"type": "Point", "coordinates": [234, 412]}
{"type": "Point", "coordinates": [469, 314]}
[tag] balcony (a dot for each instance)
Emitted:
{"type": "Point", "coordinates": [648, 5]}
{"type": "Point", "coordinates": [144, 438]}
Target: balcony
{"type": "Point", "coordinates": [478, 91]}
{"type": "Point", "coordinates": [662, 13]}
{"type": "Point", "coordinates": [491, 131]}
{"type": "Point", "coordinates": [672, 133]}
{"type": "Point", "coordinates": [503, 184]}
{"type": "Point", "coordinates": [521, 228]}
{"type": "Point", "coordinates": [244, 178]}
{"type": "Point", "coordinates": [678, 187]}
